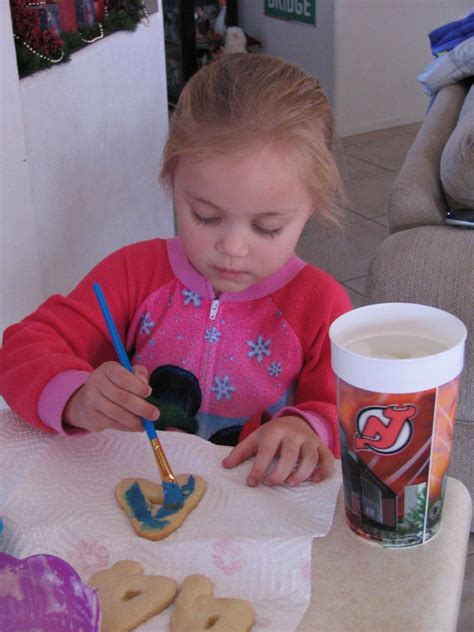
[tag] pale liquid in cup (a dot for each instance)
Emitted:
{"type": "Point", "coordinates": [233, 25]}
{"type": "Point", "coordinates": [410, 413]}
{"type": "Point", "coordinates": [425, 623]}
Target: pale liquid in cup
{"type": "Point", "coordinates": [396, 346]}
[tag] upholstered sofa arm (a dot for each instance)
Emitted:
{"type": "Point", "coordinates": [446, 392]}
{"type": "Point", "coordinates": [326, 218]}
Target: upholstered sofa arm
{"type": "Point", "coordinates": [416, 198]}
{"type": "Point", "coordinates": [431, 265]}
{"type": "Point", "coordinates": [434, 265]}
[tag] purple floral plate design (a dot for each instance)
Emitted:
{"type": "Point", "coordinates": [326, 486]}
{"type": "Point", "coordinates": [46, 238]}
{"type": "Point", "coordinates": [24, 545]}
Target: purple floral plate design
{"type": "Point", "coordinates": [45, 594]}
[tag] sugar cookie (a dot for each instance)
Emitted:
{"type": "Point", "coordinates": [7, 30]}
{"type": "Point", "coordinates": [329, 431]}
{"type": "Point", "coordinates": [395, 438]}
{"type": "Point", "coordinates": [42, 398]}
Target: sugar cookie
{"type": "Point", "coordinates": [136, 496]}
{"type": "Point", "coordinates": [197, 610]}
{"type": "Point", "coordinates": [128, 597]}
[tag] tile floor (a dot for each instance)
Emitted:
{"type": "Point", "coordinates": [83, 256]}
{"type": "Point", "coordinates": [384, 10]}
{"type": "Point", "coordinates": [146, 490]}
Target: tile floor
{"type": "Point", "coordinates": [369, 164]}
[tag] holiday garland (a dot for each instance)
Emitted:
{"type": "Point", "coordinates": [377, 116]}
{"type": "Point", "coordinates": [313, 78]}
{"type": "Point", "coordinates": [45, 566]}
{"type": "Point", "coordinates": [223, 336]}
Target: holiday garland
{"type": "Point", "coordinates": [38, 48]}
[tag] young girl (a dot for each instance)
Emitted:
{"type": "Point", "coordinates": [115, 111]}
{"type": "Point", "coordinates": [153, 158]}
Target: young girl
{"type": "Point", "coordinates": [226, 327]}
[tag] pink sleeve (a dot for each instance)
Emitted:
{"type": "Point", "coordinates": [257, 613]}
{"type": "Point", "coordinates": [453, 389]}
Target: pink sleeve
{"type": "Point", "coordinates": [55, 396]}
{"type": "Point", "coordinates": [317, 422]}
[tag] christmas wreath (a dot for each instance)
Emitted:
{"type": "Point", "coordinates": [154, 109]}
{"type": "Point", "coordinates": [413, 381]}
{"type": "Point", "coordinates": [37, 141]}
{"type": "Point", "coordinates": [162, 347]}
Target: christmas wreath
{"type": "Point", "coordinates": [47, 31]}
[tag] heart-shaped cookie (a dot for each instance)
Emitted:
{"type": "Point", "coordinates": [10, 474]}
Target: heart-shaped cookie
{"type": "Point", "coordinates": [127, 597]}
{"type": "Point", "coordinates": [142, 501]}
{"type": "Point", "coordinates": [197, 610]}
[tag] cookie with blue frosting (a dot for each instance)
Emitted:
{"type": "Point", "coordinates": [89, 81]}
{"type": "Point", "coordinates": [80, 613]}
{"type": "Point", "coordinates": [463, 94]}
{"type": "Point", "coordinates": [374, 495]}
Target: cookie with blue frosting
{"type": "Point", "coordinates": [142, 501]}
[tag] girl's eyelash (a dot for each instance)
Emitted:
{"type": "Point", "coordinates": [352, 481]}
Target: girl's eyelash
{"type": "Point", "coordinates": [204, 220]}
{"type": "Point", "coordinates": [265, 231]}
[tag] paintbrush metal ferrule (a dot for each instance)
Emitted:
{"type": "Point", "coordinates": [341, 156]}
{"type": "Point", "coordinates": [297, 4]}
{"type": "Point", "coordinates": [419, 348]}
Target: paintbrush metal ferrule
{"type": "Point", "coordinates": [165, 469]}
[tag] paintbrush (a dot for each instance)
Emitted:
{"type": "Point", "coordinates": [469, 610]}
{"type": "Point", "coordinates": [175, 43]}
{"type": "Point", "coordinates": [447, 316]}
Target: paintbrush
{"type": "Point", "coordinates": [173, 496]}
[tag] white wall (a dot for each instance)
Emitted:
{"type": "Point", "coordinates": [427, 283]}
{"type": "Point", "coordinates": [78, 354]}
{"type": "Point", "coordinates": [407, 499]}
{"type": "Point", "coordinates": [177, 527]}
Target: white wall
{"type": "Point", "coordinates": [381, 46]}
{"type": "Point", "coordinates": [20, 279]}
{"type": "Point", "coordinates": [310, 48]}
{"type": "Point", "coordinates": [366, 54]}
{"type": "Point", "coordinates": [81, 152]}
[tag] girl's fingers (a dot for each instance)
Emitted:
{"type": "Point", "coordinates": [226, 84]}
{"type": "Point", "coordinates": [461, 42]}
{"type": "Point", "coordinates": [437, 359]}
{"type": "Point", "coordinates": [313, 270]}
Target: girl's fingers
{"type": "Point", "coordinates": [289, 455]}
{"type": "Point", "coordinates": [128, 401]}
{"type": "Point", "coordinates": [112, 424]}
{"type": "Point", "coordinates": [116, 426]}
{"type": "Point", "coordinates": [119, 415]}
{"type": "Point", "coordinates": [325, 464]}
{"type": "Point", "coordinates": [308, 462]}
{"type": "Point", "coordinates": [141, 372]}
{"type": "Point", "coordinates": [125, 380]}
{"type": "Point", "coordinates": [242, 451]}
{"type": "Point", "coordinates": [266, 452]}
{"type": "Point", "coordinates": [94, 421]}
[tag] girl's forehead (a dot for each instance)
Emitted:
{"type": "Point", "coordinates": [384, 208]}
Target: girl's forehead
{"type": "Point", "coordinates": [260, 160]}
{"type": "Point", "coordinates": [259, 183]}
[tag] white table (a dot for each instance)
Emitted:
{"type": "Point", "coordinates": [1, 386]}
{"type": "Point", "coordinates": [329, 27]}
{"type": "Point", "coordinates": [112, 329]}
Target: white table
{"type": "Point", "coordinates": [360, 586]}
{"type": "Point", "coordinates": [357, 585]}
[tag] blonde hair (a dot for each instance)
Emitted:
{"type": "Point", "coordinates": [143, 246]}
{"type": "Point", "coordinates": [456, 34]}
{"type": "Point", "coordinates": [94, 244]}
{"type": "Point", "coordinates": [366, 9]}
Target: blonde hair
{"type": "Point", "coordinates": [245, 100]}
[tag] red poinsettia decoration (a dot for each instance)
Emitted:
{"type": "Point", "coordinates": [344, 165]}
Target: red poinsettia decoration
{"type": "Point", "coordinates": [26, 26]}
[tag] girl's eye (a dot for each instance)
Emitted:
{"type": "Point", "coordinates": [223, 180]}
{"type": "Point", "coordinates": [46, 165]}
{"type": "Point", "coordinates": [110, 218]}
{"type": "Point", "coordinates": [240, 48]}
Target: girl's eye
{"type": "Point", "coordinates": [203, 220]}
{"type": "Point", "coordinates": [266, 232]}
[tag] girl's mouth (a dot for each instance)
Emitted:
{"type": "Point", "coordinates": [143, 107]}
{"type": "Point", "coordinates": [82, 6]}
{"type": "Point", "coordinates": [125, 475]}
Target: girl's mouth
{"type": "Point", "coordinates": [229, 273]}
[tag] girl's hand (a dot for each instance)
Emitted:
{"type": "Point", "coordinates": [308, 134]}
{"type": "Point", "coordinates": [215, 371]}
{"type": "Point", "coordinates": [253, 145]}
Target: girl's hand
{"type": "Point", "coordinates": [301, 454]}
{"type": "Point", "coordinates": [112, 397]}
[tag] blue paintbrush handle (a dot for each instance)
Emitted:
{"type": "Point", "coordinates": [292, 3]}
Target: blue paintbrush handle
{"type": "Point", "coordinates": [119, 348]}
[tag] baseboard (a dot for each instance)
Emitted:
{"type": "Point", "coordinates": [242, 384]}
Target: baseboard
{"type": "Point", "coordinates": [373, 126]}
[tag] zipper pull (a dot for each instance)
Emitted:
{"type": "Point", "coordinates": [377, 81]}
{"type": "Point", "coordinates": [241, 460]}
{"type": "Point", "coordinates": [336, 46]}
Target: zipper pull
{"type": "Point", "coordinates": [214, 308]}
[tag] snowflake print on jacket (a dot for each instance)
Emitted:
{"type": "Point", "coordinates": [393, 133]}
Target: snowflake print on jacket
{"type": "Point", "coordinates": [246, 351]}
{"type": "Point", "coordinates": [260, 348]}
{"type": "Point", "coordinates": [212, 334]}
{"type": "Point", "coordinates": [222, 387]}
{"type": "Point", "coordinates": [224, 364]}
{"type": "Point", "coordinates": [191, 297]}
{"type": "Point", "coordinates": [146, 324]}
{"type": "Point", "coordinates": [274, 369]}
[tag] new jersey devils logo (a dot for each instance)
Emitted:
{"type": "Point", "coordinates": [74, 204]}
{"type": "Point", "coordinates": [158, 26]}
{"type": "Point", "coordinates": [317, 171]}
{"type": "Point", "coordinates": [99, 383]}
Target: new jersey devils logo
{"type": "Point", "coordinates": [384, 429]}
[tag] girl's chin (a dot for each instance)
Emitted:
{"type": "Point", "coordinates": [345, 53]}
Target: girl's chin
{"type": "Point", "coordinates": [223, 285]}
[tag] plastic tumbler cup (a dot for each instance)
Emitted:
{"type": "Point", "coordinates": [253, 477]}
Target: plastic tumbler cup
{"type": "Point", "coordinates": [397, 368]}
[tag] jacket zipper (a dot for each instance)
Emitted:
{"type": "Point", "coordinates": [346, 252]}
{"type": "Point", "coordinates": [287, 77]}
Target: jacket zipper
{"type": "Point", "coordinates": [214, 308]}
{"type": "Point", "coordinates": [210, 354]}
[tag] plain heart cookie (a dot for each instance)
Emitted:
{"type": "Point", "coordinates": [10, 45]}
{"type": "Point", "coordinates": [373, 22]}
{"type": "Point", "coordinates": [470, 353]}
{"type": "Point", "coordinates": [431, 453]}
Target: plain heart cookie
{"type": "Point", "coordinates": [127, 597]}
{"type": "Point", "coordinates": [142, 501]}
{"type": "Point", "coordinates": [197, 610]}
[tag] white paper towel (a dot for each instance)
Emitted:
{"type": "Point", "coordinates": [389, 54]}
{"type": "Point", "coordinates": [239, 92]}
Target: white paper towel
{"type": "Point", "coordinates": [57, 497]}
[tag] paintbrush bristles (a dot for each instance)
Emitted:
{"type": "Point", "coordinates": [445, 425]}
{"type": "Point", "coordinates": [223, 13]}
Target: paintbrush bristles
{"type": "Point", "coordinates": [173, 496]}
{"type": "Point", "coordinates": [165, 468]}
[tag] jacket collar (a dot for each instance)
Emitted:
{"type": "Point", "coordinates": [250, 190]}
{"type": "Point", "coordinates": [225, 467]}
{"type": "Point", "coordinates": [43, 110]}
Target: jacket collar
{"type": "Point", "coordinates": [195, 281]}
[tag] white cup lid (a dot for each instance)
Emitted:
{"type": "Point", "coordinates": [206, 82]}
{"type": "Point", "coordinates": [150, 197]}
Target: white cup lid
{"type": "Point", "coordinates": [365, 370]}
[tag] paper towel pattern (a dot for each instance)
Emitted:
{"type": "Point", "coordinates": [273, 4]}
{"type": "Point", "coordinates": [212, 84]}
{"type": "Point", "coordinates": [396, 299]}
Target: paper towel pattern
{"type": "Point", "coordinates": [57, 497]}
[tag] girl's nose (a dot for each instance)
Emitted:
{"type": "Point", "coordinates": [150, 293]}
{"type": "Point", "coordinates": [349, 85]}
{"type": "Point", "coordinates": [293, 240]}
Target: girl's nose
{"type": "Point", "coordinates": [232, 243]}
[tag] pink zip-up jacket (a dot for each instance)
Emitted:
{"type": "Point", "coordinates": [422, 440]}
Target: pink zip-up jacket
{"type": "Point", "coordinates": [235, 362]}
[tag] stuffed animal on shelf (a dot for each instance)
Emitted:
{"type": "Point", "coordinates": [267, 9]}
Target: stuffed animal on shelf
{"type": "Point", "coordinates": [235, 40]}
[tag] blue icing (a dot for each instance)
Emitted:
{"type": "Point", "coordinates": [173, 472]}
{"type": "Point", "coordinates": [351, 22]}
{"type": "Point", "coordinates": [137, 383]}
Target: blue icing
{"type": "Point", "coordinates": [141, 509]}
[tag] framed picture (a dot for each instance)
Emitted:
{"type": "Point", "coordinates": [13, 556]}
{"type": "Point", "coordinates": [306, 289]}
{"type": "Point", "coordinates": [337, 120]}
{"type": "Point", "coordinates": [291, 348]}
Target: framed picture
{"type": "Point", "coordinates": [302, 11]}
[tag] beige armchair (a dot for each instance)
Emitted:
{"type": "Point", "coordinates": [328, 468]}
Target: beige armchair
{"type": "Point", "coordinates": [426, 261]}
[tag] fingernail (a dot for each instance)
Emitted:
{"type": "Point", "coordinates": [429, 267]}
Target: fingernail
{"type": "Point", "coordinates": [149, 392]}
{"type": "Point", "coordinates": [251, 481]}
{"type": "Point", "coordinates": [156, 414]}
